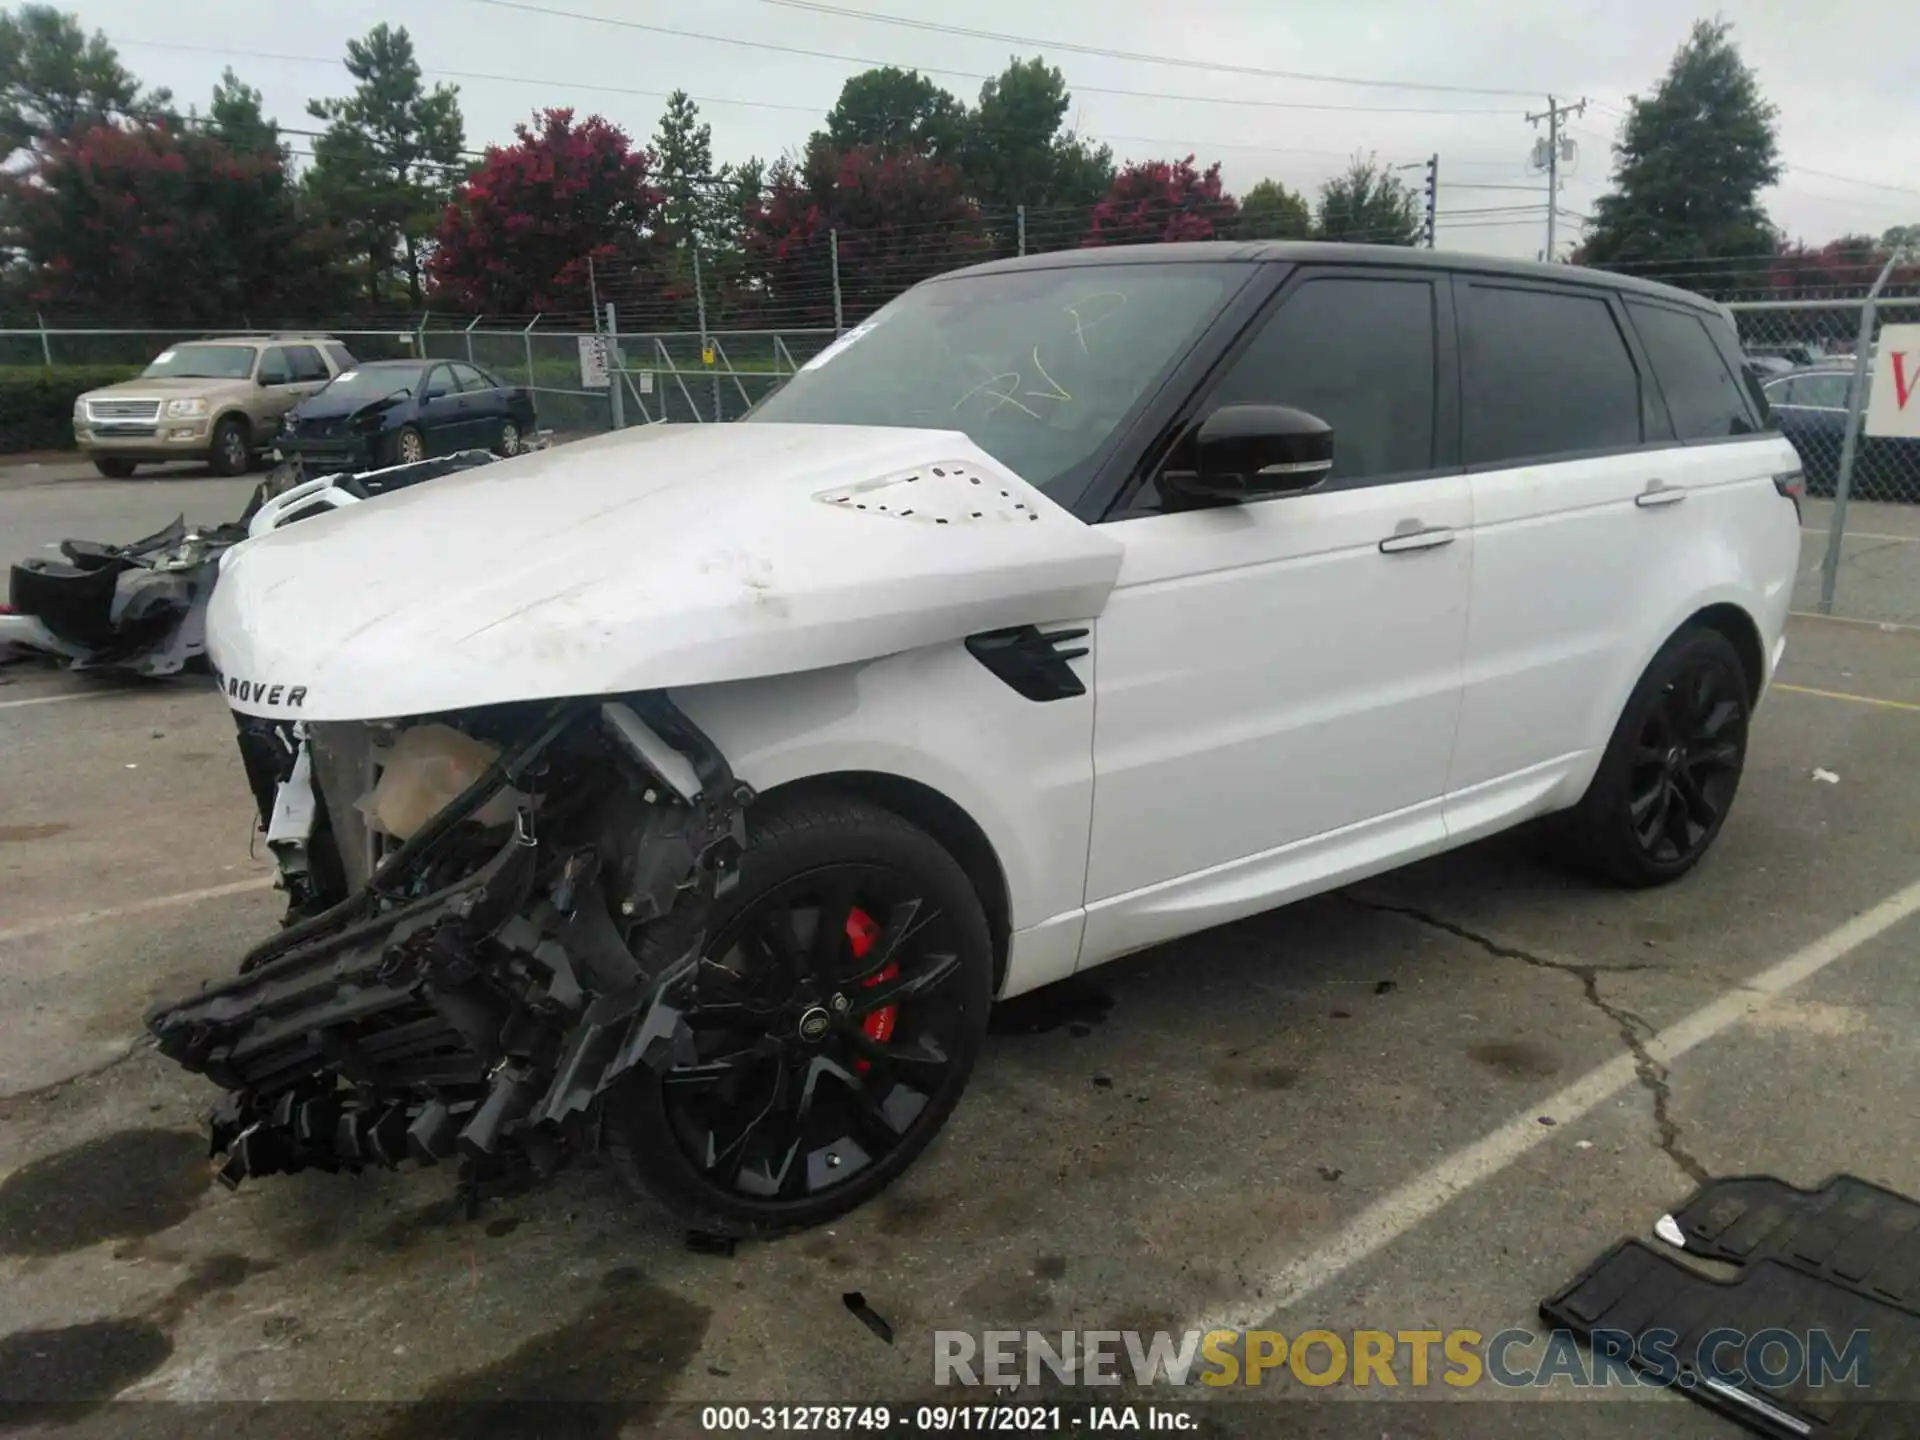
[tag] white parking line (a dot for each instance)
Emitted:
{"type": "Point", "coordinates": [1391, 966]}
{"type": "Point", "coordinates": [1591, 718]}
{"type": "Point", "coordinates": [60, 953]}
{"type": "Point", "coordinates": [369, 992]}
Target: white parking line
{"type": "Point", "coordinates": [1286, 1281]}
{"type": "Point", "coordinates": [138, 907]}
{"type": "Point", "coordinates": [54, 699]}
{"type": "Point", "coordinates": [1863, 534]}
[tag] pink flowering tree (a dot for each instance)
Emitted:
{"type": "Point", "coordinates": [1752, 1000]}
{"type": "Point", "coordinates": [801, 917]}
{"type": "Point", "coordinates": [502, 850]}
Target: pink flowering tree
{"type": "Point", "coordinates": [1154, 201]}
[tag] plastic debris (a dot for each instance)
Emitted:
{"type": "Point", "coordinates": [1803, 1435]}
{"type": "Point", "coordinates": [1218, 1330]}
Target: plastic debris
{"type": "Point", "coordinates": [865, 1314]}
{"type": "Point", "coordinates": [1826, 775]}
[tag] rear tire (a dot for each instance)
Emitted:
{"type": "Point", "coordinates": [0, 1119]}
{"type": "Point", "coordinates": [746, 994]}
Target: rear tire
{"type": "Point", "coordinates": [232, 452]}
{"type": "Point", "coordinates": [750, 1139]}
{"type": "Point", "coordinates": [1670, 773]}
{"type": "Point", "coordinates": [114, 469]}
{"type": "Point", "coordinates": [508, 442]}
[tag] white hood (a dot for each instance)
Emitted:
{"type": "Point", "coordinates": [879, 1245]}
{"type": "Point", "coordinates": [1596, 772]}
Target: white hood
{"type": "Point", "coordinates": [658, 557]}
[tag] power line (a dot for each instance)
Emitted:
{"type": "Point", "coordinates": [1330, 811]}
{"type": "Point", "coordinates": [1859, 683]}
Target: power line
{"type": "Point", "coordinates": [438, 73]}
{"type": "Point", "coordinates": [1851, 179]}
{"type": "Point", "coordinates": [591, 19]}
{"type": "Point", "coordinates": [1218, 66]}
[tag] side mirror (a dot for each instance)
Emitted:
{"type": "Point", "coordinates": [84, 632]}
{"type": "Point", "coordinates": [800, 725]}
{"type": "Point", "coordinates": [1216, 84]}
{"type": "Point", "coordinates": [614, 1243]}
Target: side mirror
{"type": "Point", "coordinates": [1245, 452]}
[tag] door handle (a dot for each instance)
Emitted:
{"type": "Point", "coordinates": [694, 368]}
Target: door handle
{"type": "Point", "coordinates": [1658, 493]}
{"type": "Point", "coordinates": [1412, 535]}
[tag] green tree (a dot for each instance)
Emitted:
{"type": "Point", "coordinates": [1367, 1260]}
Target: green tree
{"type": "Point", "coordinates": [238, 121]}
{"type": "Point", "coordinates": [894, 109]}
{"type": "Point", "coordinates": [1690, 164]}
{"type": "Point", "coordinates": [1270, 211]}
{"type": "Point", "coordinates": [697, 210]}
{"type": "Point", "coordinates": [56, 80]}
{"type": "Point", "coordinates": [683, 172]}
{"type": "Point", "coordinates": [386, 167]}
{"type": "Point", "coordinates": [744, 191]}
{"type": "Point", "coordinates": [1369, 205]}
{"type": "Point", "coordinates": [1899, 236]}
{"type": "Point", "coordinates": [1017, 154]}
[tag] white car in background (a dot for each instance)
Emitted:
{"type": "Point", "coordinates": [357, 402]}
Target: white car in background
{"type": "Point", "coordinates": [689, 794]}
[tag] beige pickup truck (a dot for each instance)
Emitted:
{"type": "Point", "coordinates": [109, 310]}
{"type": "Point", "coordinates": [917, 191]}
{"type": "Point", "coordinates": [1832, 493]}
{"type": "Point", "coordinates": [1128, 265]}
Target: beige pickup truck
{"type": "Point", "coordinates": [217, 400]}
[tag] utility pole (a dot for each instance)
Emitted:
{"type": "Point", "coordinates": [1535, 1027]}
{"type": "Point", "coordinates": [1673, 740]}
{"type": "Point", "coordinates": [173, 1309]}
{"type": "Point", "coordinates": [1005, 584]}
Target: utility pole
{"type": "Point", "coordinates": [1432, 167]}
{"type": "Point", "coordinates": [1433, 202]}
{"type": "Point", "coordinates": [1553, 114]}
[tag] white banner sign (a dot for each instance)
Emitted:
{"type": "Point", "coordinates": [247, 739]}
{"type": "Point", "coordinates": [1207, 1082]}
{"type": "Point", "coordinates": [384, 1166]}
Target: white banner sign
{"type": "Point", "coordinates": [593, 362]}
{"type": "Point", "coordinates": [1893, 398]}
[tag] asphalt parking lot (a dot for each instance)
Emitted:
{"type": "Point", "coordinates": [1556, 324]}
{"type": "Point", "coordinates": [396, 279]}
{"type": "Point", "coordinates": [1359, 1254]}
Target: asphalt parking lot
{"type": "Point", "coordinates": [1330, 1117]}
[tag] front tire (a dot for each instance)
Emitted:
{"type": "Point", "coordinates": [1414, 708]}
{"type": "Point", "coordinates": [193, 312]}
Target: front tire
{"type": "Point", "coordinates": [232, 452]}
{"type": "Point", "coordinates": [1672, 768]}
{"type": "Point", "coordinates": [409, 446]}
{"type": "Point", "coordinates": [837, 1015]}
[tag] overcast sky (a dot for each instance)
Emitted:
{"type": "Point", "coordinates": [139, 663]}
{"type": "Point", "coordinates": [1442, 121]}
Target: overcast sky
{"type": "Point", "coordinates": [1840, 71]}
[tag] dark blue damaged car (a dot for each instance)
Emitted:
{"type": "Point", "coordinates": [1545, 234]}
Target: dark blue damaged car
{"type": "Point", "coordinates": [396, 412]}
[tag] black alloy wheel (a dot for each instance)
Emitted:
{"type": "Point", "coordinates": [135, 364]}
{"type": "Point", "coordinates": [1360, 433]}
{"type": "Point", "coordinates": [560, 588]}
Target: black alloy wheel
{"type": "Point", "coordinates": [1668, 779]}
{"type": "Point", "coordinates": [820, 1033]}
{"type": "Point", "coordinates": [1687, 763]}
{"type": "Point", "coordinates": [835, 1017]}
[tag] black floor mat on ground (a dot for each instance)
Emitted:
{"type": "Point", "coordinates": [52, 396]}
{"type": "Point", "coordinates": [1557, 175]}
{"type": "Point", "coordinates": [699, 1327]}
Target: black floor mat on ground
{"type": "Point", "coordinates": [1637, 1291]}
{"type": "Point", "coordinates": [1838, 1262]}
{"type": "Point", "coordinates": [1848, 1231]}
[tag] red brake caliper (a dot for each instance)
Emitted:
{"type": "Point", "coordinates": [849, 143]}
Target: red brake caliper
{"type": "Point", "coordinates": [862, 931]}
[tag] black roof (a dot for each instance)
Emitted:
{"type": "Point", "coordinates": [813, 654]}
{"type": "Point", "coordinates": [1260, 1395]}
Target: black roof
{"type": "Point", "coordinates": [1317, 252]}
{"type": "Point", "coordinates": [393, 364]}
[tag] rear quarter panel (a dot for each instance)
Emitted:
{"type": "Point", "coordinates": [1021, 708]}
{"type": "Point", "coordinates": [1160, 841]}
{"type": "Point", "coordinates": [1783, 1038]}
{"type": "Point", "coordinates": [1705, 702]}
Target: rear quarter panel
{"type": "Point", "coordinates": [1742, 548]}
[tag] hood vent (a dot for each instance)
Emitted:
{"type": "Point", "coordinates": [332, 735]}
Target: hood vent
{"type": "Point", "coordinates": [944, 494]}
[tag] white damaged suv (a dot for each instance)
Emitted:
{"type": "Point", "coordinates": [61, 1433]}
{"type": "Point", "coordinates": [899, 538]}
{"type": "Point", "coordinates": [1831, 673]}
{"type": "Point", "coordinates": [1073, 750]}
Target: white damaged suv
{"type": "Point", "coordinates": [687, 795]}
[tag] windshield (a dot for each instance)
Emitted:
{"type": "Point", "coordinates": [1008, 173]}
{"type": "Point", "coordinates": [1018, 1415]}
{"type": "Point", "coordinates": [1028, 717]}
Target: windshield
{"type": "Point", "coordinates": [1036, 367]}
{"type": "Point", "coordinates": [202, 362]}
{"type": "Point", "coordinates": [365, 385]}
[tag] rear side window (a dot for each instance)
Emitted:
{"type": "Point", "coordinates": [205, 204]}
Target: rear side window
{"type": "Point", "coordinates": [471, 379]}
{"type": "Point", "coordinates": [1545, 373]}
{"type": "Point", "coordinates": [1359, 353]}
{"type": "Point", "coordinates": [341, 357]}
{"type": "Point", "coordinates": [1827, 391]}
{"type": "Point", "coordinates": [1702, 395]}
{"type": "Point", "coordinates": [274, 369]}
{"type": "Point", "coordinates": [306, 363]}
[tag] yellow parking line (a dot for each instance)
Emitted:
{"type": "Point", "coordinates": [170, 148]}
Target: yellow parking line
{"type": "Point", "coordinates": [1844, 695]}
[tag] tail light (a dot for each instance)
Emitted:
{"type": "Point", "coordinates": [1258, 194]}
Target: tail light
{"type": "Point", "coordinates": [1793, 485]}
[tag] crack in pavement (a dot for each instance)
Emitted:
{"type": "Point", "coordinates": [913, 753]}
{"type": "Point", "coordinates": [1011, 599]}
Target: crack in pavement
{"type": "Point", "coordinates": [1652, 1075]}
{"type": "Point", "coordinates": [137, 1046]}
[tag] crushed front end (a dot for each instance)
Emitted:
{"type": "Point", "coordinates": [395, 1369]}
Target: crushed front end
{"type": "Point", "coordinates": [465, 967]}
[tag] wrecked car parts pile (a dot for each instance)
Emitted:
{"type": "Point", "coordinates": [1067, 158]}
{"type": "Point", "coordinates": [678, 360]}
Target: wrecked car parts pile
{"type": "Point", "coordinates": [140, 609]}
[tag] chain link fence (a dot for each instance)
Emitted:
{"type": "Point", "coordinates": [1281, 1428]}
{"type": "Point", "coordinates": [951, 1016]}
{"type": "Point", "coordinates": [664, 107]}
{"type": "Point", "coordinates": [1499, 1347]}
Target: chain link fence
{"type": "Point", "coordinates": [661, 376]}
{"type": "Point", "coordinates": [591, 372]}
{"type": "Point", "coordinates": [1861, 556]}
